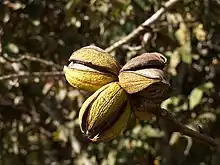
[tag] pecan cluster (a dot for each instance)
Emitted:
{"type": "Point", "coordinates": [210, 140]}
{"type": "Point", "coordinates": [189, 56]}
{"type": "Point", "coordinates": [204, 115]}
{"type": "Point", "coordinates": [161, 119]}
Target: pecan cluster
{"type": "Point", "coordinates": [118, 91]}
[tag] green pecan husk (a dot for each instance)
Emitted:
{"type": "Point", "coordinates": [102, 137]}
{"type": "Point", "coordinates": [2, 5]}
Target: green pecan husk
{"type": "Point", "coordinates": [145, 79]}
{"type": "Point", "coordinates": [105, 113]}
{"type": "Point", "coordinates": [90, 68]}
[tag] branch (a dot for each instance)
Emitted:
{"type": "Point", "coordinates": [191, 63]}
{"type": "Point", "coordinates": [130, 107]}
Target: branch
{"type": "Point", "coordinates": [32, 75]}
{"type": "Point", "coordinates": [35, 59]}
{"type": "Point", "coordinates": [27, 57]}
{"type": "Point", "coordinates": [155, 17]}
{"type": "Point", "coordinates": [179, 127]}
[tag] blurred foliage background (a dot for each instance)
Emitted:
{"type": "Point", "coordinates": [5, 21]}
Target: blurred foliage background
{"type": "Point", "coordinates": [38, 114]}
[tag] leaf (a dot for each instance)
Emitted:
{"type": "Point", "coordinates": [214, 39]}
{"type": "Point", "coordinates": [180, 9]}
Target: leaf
{"type": "Point", "coordinates": [176, 103]}
{"type": "Point", "coordinates": [183, 37]}
{"type": "Point", "coordinates": [183, 34]}
{"type": "Point", "coordinates": [61, 134]}
{"type": "Point", "coordinates": [187, 58]}
{"type": "Point", "coordinates": [173, 62]}
{"type": "Point", "coordinates": [150, 132]}
{"type": "Point", "coordinates": [185, 52]}
{"type": "Point", "coordinates": [207, 86]}
{"type": "Point", "coordinates": [13, 48]}
{"type": "Point", "coordinates": [197, 93]}
{"type": "Point", "coordinates": [195, 98]}
{"type": "Point", "coordinates": [199, 32]}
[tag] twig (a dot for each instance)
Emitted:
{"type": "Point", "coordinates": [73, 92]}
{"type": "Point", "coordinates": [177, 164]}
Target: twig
{"type": "Point", "coordinates": [35, 59]}
{"type": "Point", "coordinates": [132, 48]}
{"type": "Point", "coordinates": [179, 127]}
{"type": "Point", "coordinates": [27, 57]}
{"type": "Point", "coordinates": [33, 74]}
{"type": "Point", "coordinates": [155, 17]}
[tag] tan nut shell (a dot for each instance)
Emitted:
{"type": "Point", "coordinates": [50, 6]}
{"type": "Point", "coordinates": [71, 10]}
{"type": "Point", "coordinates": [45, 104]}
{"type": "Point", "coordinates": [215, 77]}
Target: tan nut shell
{"type": "Point", "coordinates": [146, 60]}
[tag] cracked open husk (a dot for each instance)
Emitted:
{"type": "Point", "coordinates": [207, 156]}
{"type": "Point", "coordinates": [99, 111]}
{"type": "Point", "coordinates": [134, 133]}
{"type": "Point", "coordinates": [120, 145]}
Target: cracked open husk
{"type": "Point", "coordinates": [144, 78]}
{"type": "Point", "coordinates": [105, 113]}
{"type": "Point", "coordinates": [90, 68]}
{"type": "Point", "coordinates": [143, 71]}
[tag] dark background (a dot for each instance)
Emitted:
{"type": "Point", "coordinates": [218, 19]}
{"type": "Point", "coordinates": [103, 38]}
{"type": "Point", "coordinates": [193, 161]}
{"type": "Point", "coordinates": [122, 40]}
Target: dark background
{"type": "Point", "coordinates": [38, 113]}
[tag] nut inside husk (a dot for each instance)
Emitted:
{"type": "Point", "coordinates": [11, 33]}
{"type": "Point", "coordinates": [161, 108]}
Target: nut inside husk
{"type": "Point", "coordinates": [145, 60]}
{"type": "Point", "coordinates": [136, 81]}
{"type": "Point", "coordinates": [144, 78]}
{"type": "Point", "coordinates": [90, 68]}
{"type": "Point", "coordinates": [105, 113]}
{"type": "Point", "coordinates": [142, 71]}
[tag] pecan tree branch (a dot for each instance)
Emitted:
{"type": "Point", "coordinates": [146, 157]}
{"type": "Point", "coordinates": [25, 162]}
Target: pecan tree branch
{"type": "Point", "coordinates": [155, 17]}
{"type": "Point", "coordinates": [31, 58]}
{"type": "Point", "coordinates": [26, 57]}
{"type": "Point", "coordinates": [179, 127]}
{"type": "Point", "coordinates": [32, 75]}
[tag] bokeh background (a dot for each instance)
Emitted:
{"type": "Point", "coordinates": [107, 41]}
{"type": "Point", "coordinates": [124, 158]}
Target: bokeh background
{"type": "Point", "coordinates": [39, 109]}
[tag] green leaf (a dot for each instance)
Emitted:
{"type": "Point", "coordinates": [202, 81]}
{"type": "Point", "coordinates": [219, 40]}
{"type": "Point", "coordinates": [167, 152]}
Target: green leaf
{"type": "Point", "coordinates": [13, 48]}
{"type": "Point", "coordinates": [185, 52]}
{"type": "Point", "coordinates": [187, 58]}
{"type": "Point", "coordinates": [195, 98]}
{"type": "Point", "coordinates": [207, 86]}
